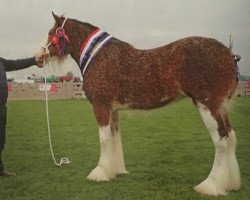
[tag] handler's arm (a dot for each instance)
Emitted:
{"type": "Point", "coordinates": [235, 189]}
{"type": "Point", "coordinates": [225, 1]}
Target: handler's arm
{"type": "Point", "coordinates": [11, 65]}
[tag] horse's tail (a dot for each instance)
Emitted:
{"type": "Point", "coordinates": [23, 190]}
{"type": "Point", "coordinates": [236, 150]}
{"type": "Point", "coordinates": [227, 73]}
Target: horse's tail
{"type": "Point", "coordinates": [236, 58]}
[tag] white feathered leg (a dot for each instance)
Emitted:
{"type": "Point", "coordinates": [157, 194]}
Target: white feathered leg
{"type": "Point", "coordinates": [225, 174]}
{"type": "Point", "coordinates": [105, 169]}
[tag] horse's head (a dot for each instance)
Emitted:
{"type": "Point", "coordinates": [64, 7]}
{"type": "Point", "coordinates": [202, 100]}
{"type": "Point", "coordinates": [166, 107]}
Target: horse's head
{"type": "Point", "coordinates": [79, 39]}
{"type": "Point", "coordinates": [58, 42]}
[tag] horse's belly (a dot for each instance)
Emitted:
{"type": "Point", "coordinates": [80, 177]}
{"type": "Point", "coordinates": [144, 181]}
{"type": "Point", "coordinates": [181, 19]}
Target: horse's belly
{"type": "Point", "coordinates": [148, 100]}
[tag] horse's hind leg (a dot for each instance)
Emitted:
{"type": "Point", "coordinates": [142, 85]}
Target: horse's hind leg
{"type": "Point", "coordinates": [117, 144]}
{"type": "Point", "coordinates": [225, 174]}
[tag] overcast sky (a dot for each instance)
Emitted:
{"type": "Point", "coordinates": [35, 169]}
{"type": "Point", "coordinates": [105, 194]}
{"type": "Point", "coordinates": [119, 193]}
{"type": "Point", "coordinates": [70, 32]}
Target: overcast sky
{"type": "Point", "coordinates": [143, 23]}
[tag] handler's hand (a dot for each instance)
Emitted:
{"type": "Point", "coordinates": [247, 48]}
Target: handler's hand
{"type": "Point", "coordinates": [40, 55]}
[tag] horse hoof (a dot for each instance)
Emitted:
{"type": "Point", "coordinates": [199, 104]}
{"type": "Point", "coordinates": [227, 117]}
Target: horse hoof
{"type": "Point", "coordinates": [209, 187]}
{"type": "Point", "coordinates": [98, 174]}
{"type": "Point", "coordinates": [234, 185]}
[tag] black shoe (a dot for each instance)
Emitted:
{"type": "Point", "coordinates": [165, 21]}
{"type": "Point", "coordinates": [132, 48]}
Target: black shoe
{"type": "Point", "coordinates": [6, 173]}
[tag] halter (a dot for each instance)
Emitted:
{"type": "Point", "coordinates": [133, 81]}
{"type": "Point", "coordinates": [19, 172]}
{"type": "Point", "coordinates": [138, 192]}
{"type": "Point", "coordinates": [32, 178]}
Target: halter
{"type": "Point", "coordinates": [55, 38]}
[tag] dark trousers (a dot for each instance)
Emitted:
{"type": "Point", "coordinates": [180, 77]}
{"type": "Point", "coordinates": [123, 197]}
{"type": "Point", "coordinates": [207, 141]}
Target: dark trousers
{"type": "Point", "coordinates": [3, 119]}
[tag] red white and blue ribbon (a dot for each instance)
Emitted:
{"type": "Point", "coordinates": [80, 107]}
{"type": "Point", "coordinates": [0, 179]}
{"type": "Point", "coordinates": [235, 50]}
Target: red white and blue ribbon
{"type": "Point", "coordinates": [91, 46]}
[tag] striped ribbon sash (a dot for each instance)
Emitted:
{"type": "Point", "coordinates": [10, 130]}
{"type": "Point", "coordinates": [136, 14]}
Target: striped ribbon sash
{"type": "Point", "coordinates": [91, 46]}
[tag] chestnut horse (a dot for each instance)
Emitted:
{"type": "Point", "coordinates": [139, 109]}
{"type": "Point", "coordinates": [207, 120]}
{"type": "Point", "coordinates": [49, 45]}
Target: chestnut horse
{"type": "Point", "coordinates": [118, 76]}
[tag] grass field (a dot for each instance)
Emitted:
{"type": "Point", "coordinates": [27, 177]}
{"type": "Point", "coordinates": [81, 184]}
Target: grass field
{"type": "Point", "coordinates": [167, 152]}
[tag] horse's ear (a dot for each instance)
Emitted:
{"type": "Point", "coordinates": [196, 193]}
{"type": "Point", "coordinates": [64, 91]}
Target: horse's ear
{"type": "Point", "coordinates": [57, 19]}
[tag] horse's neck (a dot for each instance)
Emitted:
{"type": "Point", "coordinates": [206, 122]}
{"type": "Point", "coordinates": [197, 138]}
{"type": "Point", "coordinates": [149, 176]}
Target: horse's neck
{"type": "Point", "coordinates": [76, 45]}
{"type": "Point", "coordinates": [78, 37]}
{"type": "Point", "coordinates": [75, 55]}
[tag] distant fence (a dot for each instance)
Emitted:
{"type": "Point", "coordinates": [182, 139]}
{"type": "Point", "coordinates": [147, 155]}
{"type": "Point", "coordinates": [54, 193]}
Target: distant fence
{"type": "Point", "coordinates": [243, 88]}
{"type": "Point", "coordinates": [32, 91]}
{"type": "Point", "coordinates": [72, 90]}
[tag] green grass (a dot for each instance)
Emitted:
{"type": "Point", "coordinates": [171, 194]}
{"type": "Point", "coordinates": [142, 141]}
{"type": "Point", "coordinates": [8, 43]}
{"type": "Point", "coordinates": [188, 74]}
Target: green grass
{"type": "Point", "coordinates": [167, 152]}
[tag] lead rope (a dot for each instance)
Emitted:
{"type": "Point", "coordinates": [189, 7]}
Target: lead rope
{"type": "Point", "coordinates": [63, 160]}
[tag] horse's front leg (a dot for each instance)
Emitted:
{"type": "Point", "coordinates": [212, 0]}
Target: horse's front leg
{"type": "Point", "coordinates": [105, 169]}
